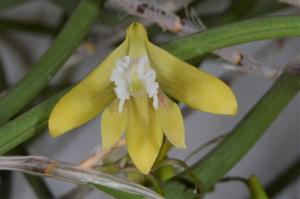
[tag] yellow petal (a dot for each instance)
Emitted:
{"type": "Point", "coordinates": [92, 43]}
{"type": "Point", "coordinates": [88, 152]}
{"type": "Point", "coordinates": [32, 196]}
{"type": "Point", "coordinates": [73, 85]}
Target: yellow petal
{"type": "Point", "coordinates": [193, 87]}
{"type": "Point", "coordinates": [113, 124]}
{"type": "Point", "coordinates": [137, 36]}
{"type": "Point", "coordinates": [171, 121]}
{"type": "Point", "coordinates": [88, 98]}
{"type": "Point", "coordinates": [144, 135]}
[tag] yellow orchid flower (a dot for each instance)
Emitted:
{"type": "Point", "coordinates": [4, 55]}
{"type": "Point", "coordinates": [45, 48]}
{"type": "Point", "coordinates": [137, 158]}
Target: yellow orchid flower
{"type": "Point", "coordinates": [131, 86]}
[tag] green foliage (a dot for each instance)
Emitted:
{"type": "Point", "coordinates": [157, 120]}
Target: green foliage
{"type": "Point", "coordinates": [42, 72]}
{"type": "Point", "coordinates": [217, 162]}
{"type": "Point", "coordinates": [26, 125]}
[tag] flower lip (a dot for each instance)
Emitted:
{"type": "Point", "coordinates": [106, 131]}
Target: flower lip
{"type": "Point", "coordinates": [133, 76]}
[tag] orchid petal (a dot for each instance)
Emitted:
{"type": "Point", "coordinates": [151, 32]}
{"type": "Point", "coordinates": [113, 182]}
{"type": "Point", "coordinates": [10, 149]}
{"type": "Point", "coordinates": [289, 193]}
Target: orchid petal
{"type": "Point", "coordinates": [144, 135]}
{"type": "Point", "coordinates": [88, 98]}
{"type": "Point", "coordinates": [193, 87]}
{"type": "Point", "coordinates": [113, 124]}
{"type": "Point", "coordinates": [171, 121]}
{"type": "Point", "coordinates": [137, 36]}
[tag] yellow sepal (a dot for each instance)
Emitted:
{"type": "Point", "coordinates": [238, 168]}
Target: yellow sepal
{"type": "Point", "coordinates": [191, 86]}
{"type": "Point", "coordinates": [88, 98]}
{"type": "Point", "coordinates": [137, 38]}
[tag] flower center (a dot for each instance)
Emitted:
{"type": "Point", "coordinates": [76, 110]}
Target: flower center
{"type": "Point", "coordinates": [133, 77]}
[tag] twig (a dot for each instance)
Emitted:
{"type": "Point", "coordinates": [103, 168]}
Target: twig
{"type": "Point", "coordinates": [234, 178]}
{"type": "Point", "coordinates": [98, 157]}
{"type": "Point", "coordinates": [92, 161]}
{"type": "Point", "coordinates": [43, 166]}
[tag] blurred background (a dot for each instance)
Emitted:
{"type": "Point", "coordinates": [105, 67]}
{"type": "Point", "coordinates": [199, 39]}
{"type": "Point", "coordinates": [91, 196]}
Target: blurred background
{"type": "Point", "coordinates": [276, 151]}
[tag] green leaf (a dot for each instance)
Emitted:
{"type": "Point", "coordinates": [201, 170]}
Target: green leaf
{"type": "Point", "coordinates": [27, 125]}
{"type": "Point", "coordinates": [233, 34]}
{"type": "Point", "coordinates": [42, 72]}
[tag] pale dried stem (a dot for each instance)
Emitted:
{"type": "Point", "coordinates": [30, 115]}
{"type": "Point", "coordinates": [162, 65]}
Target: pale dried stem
{"type": "Point", "coordinates": [92, 161]}
{"type": "Point", "coordinates": [98, 157]}
{"type": "Point", "coordinates": [68, 172]}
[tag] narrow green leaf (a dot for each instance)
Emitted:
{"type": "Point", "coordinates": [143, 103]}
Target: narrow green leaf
{"type": "Point", "coordinates": [27, 125]}
{"type": "Point", "coordinates": [42, 72]}
{"type": "Point", "coordinates": [233, 34]}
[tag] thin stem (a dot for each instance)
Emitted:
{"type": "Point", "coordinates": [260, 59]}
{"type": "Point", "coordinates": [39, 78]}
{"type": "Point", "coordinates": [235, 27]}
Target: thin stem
{"type": "Point", "coordinates": [234, 178]}
{"type": "Point", "coordinates": [98, 157]}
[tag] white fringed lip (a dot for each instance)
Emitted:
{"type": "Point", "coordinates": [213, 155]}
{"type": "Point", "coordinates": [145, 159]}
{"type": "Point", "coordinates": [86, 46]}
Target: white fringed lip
{"type": "Point", "coordinates": [121, 76]}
